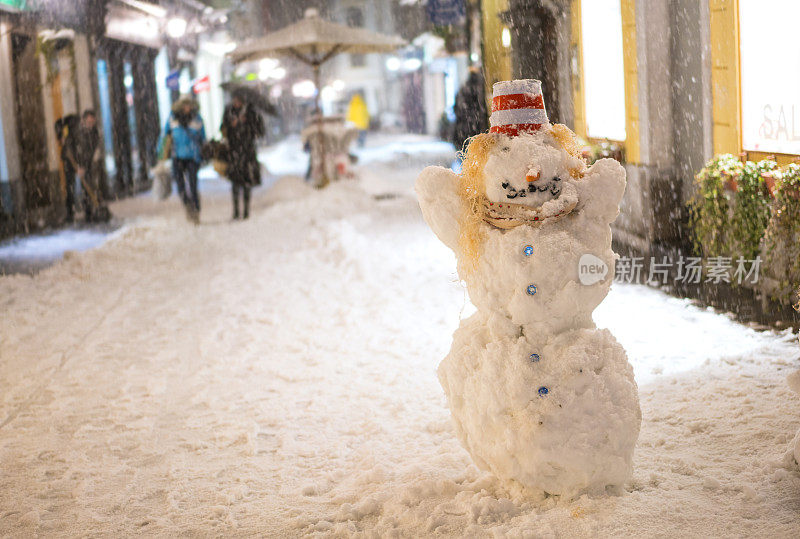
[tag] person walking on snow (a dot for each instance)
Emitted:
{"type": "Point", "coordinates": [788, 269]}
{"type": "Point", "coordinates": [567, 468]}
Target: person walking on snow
{"type": "Point", "coordinates": [358, 115]}
{"type": "Point", "coordinates": [241, 126]}
{"type": "Point", "coordinates": [187, 134]}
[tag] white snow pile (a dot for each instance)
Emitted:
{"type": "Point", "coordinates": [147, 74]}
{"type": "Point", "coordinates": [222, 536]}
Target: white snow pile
{"type": "Point", "coordinates": [277, 377]}
{"type": "Point", "coordinates": [540, 397]}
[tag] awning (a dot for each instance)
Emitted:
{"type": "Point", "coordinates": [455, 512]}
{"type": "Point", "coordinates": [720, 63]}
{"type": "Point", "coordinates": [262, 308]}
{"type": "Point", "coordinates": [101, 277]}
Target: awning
{"type": "Point", "coordinates": [133, 26]}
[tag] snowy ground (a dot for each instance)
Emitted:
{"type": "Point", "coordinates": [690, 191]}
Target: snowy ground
{"type": "Point", "coordinates": [276, 377]}
{"type": "Point", "coordinates": [29, 254]}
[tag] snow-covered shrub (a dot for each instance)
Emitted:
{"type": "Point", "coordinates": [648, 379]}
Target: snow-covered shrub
{"type": "Point", "coordinates": [751, 209]}
{"type": "Point", "coordinates": [781, 245]}
{"type": "Point", "coordinates": [710, 207]}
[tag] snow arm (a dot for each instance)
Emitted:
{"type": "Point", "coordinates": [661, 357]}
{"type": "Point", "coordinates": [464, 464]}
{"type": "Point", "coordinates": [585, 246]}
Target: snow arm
{"type": "Point", "coordinates": [437, 191]}
{"type": "Point", "coordinates": [600, 190]}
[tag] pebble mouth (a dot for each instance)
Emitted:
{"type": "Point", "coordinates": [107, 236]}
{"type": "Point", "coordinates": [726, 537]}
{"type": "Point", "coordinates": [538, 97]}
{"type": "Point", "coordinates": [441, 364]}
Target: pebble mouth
{"type": "Point", "coordinates": [510, 215]}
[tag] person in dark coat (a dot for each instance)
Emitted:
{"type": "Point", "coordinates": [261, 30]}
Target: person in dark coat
{"type": "Point", "coordinates": [81, 150]}
{"type": "Point", "coordinates": [242, 125]}
{"type": "Point", "coordinates": [470, 109]}
{"type": "Point", "coordinates": [66, 134]}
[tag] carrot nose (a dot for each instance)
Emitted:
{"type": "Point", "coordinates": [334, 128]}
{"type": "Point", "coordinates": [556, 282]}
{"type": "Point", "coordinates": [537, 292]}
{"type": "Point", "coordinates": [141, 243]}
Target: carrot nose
{"type": "Point", "coordinates": [533, 178]}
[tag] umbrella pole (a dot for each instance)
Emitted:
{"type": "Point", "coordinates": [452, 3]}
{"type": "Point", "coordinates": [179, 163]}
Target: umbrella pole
{"type": "Point", "coordinates": [317, 107]}
{"type": "Point", "coordinates": [324, 180]}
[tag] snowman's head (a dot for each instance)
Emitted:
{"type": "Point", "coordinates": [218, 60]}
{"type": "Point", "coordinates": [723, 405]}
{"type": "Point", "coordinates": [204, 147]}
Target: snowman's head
{"type": "Point", "coordinates": [498, 168]}
{"type": "Point", "coordinates": [528, 169]}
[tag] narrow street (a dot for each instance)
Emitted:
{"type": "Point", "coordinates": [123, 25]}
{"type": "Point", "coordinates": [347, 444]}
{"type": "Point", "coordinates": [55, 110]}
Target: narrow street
{"type": "Point", "coordinates": [277, 377]}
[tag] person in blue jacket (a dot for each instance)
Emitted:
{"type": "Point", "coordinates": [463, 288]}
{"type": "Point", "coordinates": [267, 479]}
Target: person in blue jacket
{"type": "Point", "coordinates": [187, 133]}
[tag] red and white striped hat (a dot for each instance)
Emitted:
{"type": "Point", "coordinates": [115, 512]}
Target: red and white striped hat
{"type": "Point", "coordinates": [517, 107]}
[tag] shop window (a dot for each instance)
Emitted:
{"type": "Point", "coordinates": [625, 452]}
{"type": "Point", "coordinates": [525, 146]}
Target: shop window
{"type": "Point", "coordinates": [603, 69]}
{"type": "Point", "coordinates": [132, 128]}
{"type": "Point", "coordinates": [770, 56]}
{"type": "Point", "coordinates": [355, 18]}
{"type": "Point", "coordinates": [105, 115]}
{"type": "Point", "coordinates": [358, 60]}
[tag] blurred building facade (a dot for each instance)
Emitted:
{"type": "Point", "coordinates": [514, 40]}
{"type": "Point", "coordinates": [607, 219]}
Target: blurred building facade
{"type": "Point", "coordinates": [47, 52]}
{"type": "Point", "coordinates": [111, 56]}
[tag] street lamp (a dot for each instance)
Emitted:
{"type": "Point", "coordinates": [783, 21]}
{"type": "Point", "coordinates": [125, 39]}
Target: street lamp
{"type": "Point", "coordinates": [176, 27]}
{"type": "Point", "coordinates": [304, 89]}
{"type": "Point", "coordinates": [505, 37]}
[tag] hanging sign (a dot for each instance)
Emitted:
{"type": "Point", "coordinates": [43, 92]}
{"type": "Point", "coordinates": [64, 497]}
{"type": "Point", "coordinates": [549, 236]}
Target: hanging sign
{"type": "Point", "coordinates": [173, 79]}
{"type": "Point", "coordinates": [202, 85]}
{"type": "Point", "coordinates": [446, 12]}
{"type": "Point", "coordinates": [17, 5]}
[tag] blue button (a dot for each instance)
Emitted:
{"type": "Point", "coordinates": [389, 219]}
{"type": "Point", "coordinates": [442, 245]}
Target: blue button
{"type": "Point", "coordinates": [531, 289]}
{"type": "Point", "coordinates": [527, 250]}
{"type": "Point", "coordinates": [543, 391]}
{"type": "Point", "coordinates": [535, 358]}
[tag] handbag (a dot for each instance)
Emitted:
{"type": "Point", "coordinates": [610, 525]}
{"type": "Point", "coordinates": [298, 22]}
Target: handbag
{"type": "Point", "coordinates": [163, 179]}
{"type": "Point", "coordinates": [165, 152]}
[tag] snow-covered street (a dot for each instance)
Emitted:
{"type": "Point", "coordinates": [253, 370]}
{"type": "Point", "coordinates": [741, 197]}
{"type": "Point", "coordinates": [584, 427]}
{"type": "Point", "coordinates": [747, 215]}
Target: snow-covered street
{"type": "Point", "coordinates": [277, 377]}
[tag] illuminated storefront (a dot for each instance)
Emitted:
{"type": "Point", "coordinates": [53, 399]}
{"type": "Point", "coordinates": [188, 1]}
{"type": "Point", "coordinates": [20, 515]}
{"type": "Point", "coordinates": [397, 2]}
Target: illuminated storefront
{"type": "Point", "coordinates": [770, 78]}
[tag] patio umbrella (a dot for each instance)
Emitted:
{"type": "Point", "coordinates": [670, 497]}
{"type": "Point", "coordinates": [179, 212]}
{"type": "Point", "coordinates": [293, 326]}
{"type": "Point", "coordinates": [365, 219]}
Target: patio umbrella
{"type": "Point", "coordinates": [314, 41]}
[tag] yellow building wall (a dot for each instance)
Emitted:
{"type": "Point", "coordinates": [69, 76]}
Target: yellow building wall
{"type": "Point", "coordinates": [630, 64]}
{"type": "Point", "coordinates": [578, 91]}
{"type": "Point", "coordinates": [496, 58]}
{"type": "Point", "coordinates": [726, 92]}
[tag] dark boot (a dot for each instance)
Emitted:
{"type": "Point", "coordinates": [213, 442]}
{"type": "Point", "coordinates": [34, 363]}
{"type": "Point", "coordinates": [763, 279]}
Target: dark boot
{"type": "Point", "coordinates": [246, 200]}
{"type": "Point", "coordinates": [235, 192]}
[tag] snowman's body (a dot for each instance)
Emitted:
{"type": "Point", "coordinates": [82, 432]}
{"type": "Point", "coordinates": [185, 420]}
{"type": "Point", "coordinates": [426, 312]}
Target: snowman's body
{"type": "Point", "coordinates": [539, 396]}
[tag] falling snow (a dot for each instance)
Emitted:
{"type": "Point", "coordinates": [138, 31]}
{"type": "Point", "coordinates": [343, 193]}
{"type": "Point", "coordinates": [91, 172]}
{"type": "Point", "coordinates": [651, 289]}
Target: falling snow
{"type": "Point", "coordinates": [277, 377]}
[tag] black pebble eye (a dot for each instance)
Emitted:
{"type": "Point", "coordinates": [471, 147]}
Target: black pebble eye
{"type": "Point", "coordinates": [504, 185]}
{"type": "Point", "coordinates": [505, 149]}
{"type": "Point", "coordinates": [556, 179]}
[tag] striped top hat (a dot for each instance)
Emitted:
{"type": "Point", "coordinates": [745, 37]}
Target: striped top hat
{"type": "Point", "coordinates": [517, 107]}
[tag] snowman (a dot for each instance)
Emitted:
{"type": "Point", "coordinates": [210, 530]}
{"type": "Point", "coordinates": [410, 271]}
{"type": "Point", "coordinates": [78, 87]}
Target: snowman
{"type": "Point", "coordinates": [539, 396]}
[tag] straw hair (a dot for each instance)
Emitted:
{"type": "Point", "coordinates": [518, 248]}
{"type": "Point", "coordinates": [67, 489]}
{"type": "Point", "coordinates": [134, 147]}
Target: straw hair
{"type": "Point", "coordinates": [473, 192]}
{"type": "Point", "coordinates": [565, 138]}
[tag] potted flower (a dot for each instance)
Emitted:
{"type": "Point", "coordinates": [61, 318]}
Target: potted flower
{"type": "Point", "coordinates": [769, 179]}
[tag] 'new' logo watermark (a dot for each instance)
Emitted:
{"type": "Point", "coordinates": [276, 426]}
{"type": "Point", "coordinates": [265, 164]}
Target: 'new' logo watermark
{"type": "Point", "coordinates": [591, 269]}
